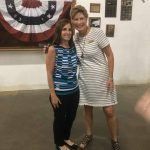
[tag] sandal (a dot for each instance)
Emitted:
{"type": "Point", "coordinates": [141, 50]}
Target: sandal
{"type": "Point", "coordinates": [72, 145]}
{"type": "Point", "coordinates": [85, 141]}
{"type": "Point", "coordinates": [58, 148]}
{"type": "Point", "coordinates": [115, 145]}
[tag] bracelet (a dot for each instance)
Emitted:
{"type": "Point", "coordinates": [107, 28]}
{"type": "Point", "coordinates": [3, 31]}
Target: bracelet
{"type": "Point", "coordinates": [110, 78]}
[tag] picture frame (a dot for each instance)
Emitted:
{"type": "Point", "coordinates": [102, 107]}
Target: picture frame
{"type": "Point", "coordinates": [110, 8]}
{"type": "Point", "coordinates": [110, 30]}
{"type": "Point", "coordinates": [95, 22]}
{"type": "Point", "coordinates": [126, 10]}
{"type": "Point", "coordinates": [95, 7]}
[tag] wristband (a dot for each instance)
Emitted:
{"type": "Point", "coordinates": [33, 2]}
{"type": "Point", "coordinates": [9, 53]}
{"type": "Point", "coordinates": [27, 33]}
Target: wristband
{"type": "Point", "coordinates": [110, 78]}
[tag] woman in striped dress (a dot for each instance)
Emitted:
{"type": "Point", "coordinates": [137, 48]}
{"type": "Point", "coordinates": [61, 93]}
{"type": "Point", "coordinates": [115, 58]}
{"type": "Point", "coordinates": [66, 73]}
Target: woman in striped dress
{"type": "Point", "coordinates": [95, 74]}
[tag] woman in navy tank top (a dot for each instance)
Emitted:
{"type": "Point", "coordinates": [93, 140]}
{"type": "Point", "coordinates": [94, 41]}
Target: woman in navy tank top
{"type": "Point", "coordinates": [61, 65]}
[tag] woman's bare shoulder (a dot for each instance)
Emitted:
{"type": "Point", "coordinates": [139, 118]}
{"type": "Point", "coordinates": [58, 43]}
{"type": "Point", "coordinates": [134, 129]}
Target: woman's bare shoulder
{"type": "Point", "coordinates": [51, 49]}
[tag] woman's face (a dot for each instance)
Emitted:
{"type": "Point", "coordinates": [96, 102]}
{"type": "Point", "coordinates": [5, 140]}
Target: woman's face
{"type": "Point", "coordinates": [80, 22]}
{"type": "Point", "coordinates": [66, 32]}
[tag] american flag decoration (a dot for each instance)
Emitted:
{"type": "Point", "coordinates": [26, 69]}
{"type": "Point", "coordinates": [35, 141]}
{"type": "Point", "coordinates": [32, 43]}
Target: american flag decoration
{"type": "Point", "coordinates": [33, 20]}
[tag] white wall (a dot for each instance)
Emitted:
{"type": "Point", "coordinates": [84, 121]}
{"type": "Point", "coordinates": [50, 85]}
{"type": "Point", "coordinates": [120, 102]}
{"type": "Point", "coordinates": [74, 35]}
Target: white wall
{"type": "Point", "coordinates": [22, 70]}
{"type": "Point", "coordinates": [130, 43]}
{"type": "Point", "coordinates": [25, 70]}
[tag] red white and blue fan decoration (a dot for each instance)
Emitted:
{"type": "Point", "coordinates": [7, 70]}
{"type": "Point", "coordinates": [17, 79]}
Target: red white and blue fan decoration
{"type": "Point", "coordinates": [32, 20]}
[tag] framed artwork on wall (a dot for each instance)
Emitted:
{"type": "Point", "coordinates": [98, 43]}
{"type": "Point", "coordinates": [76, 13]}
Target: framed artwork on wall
{"type": "Point", "coordinates": [95, 7]}
{"type": "Point", "coordinates": [110, 8]}
{"type": "Point", "coordinates": [126, 9]}
{"type": "Point", "coordinates": [95, 22]}
{"type": "Point", "coordinates": [110, 29]}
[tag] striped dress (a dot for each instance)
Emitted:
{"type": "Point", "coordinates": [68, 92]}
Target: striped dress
{"type": "Point", "coordinates": [93, 69]}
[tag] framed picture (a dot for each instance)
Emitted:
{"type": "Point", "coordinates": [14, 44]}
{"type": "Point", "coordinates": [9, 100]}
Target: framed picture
{"type": "Point", "coordinates": [126, 9]}
{"type": "Point", "coordinates": [110, 29]}
{"type": "Point", "coordinates": [95, 22]}
{"type": "Point", "coordinates": [110, 8]}
{"type": "Point", "coordinates": [95, 7]}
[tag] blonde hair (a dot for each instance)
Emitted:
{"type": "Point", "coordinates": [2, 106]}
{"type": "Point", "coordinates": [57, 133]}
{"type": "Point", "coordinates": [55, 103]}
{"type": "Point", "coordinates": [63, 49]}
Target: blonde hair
{"type": "Point", "coordinates": [78, 9]}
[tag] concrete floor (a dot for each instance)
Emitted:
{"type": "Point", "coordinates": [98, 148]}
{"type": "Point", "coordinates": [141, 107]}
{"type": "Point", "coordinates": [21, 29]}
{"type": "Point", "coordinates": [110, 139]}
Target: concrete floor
{"type": "Point", "coordinates": [26, 122]}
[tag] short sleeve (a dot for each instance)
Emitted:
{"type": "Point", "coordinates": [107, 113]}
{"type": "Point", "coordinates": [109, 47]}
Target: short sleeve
{"type": "Point", "coordinates": [102, 39]}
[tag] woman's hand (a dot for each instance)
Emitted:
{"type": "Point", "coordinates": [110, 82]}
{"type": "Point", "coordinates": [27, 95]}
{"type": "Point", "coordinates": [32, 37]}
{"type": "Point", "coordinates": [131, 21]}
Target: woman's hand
{"type": "Point", "coordinates": [55, 101]}
{"type": "Point", "coordinates": [110, 84]}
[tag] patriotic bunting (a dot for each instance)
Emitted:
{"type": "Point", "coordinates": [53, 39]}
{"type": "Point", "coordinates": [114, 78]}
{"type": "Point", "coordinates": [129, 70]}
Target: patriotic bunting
{"type": "Point", "coordinates": [32, 20]}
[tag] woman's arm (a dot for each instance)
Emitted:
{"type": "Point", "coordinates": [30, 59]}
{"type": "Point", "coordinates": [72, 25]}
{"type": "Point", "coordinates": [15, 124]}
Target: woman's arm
{"type": "Point", "coordinates": [50, 64]}
{"type": "Point", "coordinates": [110, 58]}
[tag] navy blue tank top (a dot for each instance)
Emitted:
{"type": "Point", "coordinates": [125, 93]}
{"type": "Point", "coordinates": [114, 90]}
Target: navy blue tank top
{"type": "Point", "coordinates": [65, 71]}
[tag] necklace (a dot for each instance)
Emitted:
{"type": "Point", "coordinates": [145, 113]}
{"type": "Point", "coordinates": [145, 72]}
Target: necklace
{"type": "Point", "coordinates": [81, 45]}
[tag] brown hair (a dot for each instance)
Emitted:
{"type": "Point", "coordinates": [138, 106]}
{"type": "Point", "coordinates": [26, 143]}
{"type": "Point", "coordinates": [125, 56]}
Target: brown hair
{"type": "Point", "coordinates": [58, 29]}
{"type": "Point", "coordinates": [57, 35]}
{"type": "Point", "coordinates": [78, 9]}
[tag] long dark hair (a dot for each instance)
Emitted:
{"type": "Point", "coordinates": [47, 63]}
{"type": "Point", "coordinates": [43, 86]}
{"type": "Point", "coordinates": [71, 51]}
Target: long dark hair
{"type": "Point", "coordinates": [58, 29]}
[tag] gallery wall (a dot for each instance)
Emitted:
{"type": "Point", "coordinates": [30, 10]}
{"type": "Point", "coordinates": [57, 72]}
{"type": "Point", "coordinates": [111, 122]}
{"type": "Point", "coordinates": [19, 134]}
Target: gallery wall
{"type": "Point", "coordinates": [25, 70]}
{"type": "Point", "coordinates": [130, 43]}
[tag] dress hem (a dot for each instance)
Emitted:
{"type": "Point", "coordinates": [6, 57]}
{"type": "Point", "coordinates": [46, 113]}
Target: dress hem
{"type": "Point", "coordinates": [97, 105]}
